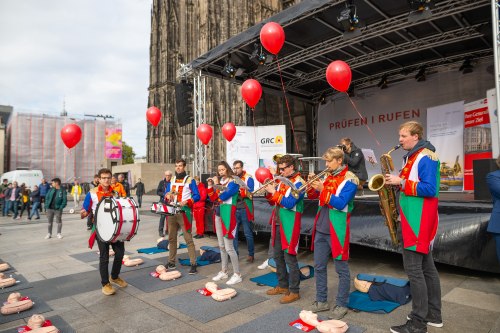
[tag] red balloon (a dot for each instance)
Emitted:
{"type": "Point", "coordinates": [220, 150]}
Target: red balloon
{"type": "Point", "coordinates": [71, 135]}
{"type": "Point", "coordinates": [272, 37]}
{"type": "Point", "coordinates": [204, 133]}
{"type": "Point", "coordinates": [262, 174]}
{"type": "Point", "coordinates": [251, 91]}
{"type": "Point", "coordinates": [229, 131]}
{"type": "Point", "coordinates": [338, 75]}
{"type": "Point", "coordinates": [153, 115]}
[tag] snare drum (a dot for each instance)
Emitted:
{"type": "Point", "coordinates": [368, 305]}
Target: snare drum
{"type": "Point", "coordinates": [165, 209]}
{"type": "Point", "coordinates": [117, 219]}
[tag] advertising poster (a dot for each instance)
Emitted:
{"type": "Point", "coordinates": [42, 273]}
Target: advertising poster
{"type": "Point", "coordinates": [477, 138]}
{"type": "Point", "coordinates": [445, 131]}
{"type": "Point", "coordinates": [113, 143]}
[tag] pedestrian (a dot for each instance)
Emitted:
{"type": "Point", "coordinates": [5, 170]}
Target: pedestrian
{"type": "Point", "coordinates": [35, 200]}
{"type": "Point", "coordinates": [14, 197]}
{"type": "Point", "coordinates": [25, 201]}
{"type": "Point", "coordinates": [44, 188]}
{"type": "Point", "coordinates": [125, 184]}
{"type": "Point", "coordinates": [139, 191]}
{"type": "Point", "coordinates": [162, 190]}
{"type": "Point", "coordinates": [76, 191]}
{"type": "Point", "coordinates": [55, 201]}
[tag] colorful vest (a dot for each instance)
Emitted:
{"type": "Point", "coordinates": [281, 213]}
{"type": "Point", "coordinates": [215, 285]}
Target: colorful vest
{"type": "Point", "coordinates": [244, 196]}
{"type": "Point", "coordinates": [181, 187]}
{"type": "Point", "coordinates": [227, 207]}
{"type": "Point", "coordinates": [340, 220]}
{"type": "Point", "coordinates": [419, 201]}
{"type": "Point", "coordinates": [290, 219]}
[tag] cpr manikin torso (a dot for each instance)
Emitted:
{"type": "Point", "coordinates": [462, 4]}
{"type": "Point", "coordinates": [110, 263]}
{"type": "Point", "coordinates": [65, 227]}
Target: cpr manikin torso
{"type": "Point", "coordinates": [15, 304]}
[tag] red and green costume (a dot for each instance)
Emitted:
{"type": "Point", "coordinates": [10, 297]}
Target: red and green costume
{"type": "Point", "coordinates": [337, 195]}
{"type": "Point", "coordinates": [419, 200]}
{"type": "Point", "coordinates": [186, 190]}
{"type": "Point", "coordinates": [289, 211]}
{"type": "Point", "coordinates": [227, 200]}
{"type": "Point", "coordinates": [244, 195]}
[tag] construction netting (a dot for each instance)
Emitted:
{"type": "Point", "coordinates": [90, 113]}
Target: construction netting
{"type": "Point", "coordinates": [34, 143]}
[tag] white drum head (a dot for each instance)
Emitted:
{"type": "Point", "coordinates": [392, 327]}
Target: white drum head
{"type": "Point", "coordinates": [106, 219]}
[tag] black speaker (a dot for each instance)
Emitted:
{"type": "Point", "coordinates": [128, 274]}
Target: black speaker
{"type": "Point", "coordinates": [184, 103]}
{"type": "Point", "coordinates": [480, 169]}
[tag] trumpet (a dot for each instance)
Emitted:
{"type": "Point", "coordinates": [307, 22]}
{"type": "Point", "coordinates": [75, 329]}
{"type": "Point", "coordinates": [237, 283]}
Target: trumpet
{"type": "Point", "coordinates": [277, 157]}
{"type": "Point", "coordinates": [262, 188]}
{"type": "Point", "coordinates": [297, 192]}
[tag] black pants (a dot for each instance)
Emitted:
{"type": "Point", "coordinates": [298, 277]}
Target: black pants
{"type": "Point", "coordinates": [139, 200]}
{"type": "Point", "coordinates": [289, 280]}
{"type": "Point", "coordinates": [119, 248]}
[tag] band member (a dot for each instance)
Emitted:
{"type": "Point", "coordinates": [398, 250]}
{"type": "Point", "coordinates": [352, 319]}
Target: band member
{"type": "Point", "coordinates": [162, 190]}
{"type": "Point", "coordinates": [183, 192]}
{"type": "Point", "coordinates": [355, 161]}
{"type": "Point", "coordinates": [225, 220]}
{"type": "Point", "coordinates": [93, 197]}
{"type": "Point", "coordinates": [118, 187]}
{"type": "Point", "coordinates": [286, 221]}
{"type": "Point", "coordinates": [331, 230]}
{"type": "Point", "coordinates": [419, 183]}
{"type": "Point", "coordinates": [244, 210]}
{"type": "Point", "coordinates": [199, 209]}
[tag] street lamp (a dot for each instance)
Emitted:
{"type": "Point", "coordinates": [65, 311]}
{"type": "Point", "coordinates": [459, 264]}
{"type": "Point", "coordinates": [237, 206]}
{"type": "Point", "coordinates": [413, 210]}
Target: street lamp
{"type": "Point", "coordinates": [189, 158]}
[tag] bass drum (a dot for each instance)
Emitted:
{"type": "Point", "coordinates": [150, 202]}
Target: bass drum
{"type": "Point", "coordinates": [117, 219]}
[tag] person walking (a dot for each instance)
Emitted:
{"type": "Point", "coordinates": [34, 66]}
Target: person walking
{"type": "Point", "coordinates": [139, 191]}
{"type": "Point", "coordinates": [55, 201]}
{"type": "Point", "coordinates": [44, 188]}
{"type": "Point", "coordinates": [35, 200]}
{"type": "Point", "coordinates": [76, 191]}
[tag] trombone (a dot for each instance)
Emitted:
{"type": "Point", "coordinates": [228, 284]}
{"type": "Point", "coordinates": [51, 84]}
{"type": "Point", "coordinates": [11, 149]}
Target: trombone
{"type": "Point", "coordinates": [263, 187]}
{"type": "Point", "coordinates": [296, 193]}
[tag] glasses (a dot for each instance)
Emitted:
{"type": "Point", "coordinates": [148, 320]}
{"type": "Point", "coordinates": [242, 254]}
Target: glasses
{"type": "Point", "coordinates": [283, 168]}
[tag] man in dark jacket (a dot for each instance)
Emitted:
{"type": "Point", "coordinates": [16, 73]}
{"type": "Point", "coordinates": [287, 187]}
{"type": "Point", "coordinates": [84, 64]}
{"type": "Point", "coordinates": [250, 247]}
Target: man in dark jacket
{"type": "Point", "coordinates": [139, 191]}
{"type": "Point", "coordinates": [126, 186]}
{"type": "Point", "coordinates": [13, 196]}
{"type": "Point", "coordinates": [55, 201]}
{"type": "Point", "coordinates": [35, 200]}
{"type": "Point", "coordinates": [355, 160]}
{"type": "Point", "coordinates": [161, 190]}
{"type": "Point", "coordinates": [44, 188]}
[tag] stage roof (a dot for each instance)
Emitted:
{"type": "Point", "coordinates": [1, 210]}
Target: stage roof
{"type": "Point", "coordinates": [389, 46]}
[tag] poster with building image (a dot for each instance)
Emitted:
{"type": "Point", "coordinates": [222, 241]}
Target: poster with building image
{"type": "Point", "coordinates": [445, 131]}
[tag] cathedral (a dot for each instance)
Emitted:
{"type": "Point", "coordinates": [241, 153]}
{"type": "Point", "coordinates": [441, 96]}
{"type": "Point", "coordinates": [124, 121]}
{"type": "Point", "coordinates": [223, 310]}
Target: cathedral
{"type": "Point", "coordinates": [183, 30]}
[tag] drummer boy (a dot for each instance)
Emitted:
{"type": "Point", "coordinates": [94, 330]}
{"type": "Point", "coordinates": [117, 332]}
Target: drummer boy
{"type": "Point", "coordinates": [93, 197]}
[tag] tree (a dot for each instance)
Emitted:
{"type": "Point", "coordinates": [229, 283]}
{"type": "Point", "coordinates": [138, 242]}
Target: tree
{"type": "Point", "coordinates": [127, 154]}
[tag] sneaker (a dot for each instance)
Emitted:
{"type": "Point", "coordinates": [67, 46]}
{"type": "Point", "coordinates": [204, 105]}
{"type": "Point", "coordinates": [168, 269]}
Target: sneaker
{"type": "Point", "coordinates": [119, 282]}
{"type": "Point", "coordinates": [59, 236]}
{"type": "Point", "coordinates": [431, 322]}
{"type": "Point", "coordinates": [48, 236]}
{"type": "Point", "coordinates": [221, 275]}
{"type": "Point", "coordinates": [289, 298]}
{"type": "Point", "coordinates": [17, 218]}
{"type": "Point", "coordinates": [170, 265]}
{"type": "Point", "coordinates": [108, 289]}
{"type": "Point", "coordinates": [277, 291]}
{"type": "Point", "coordinates": [409, 327]}
{"type": "Point", "coordinates": [319, 307]}
{"type": "Point", "coordinates": [193, 270]}
{"type": "Point", "coordinates": [264, 265]}
{"type": "Point", "coordinates": [338, 312]}
{"type": "Point", "coordinates": [37, 218]}
{"type": "Point", "coordinates": [236, 278]}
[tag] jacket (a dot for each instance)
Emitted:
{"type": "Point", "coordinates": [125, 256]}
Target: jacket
{"type": "Point", "coordinates": [35, 196]}
{"type": "Point", "coordinates": [8, 193]}
{"type": "Point", "coordinates": [139, 188]}
{"type": "Point", "coordinates": [60, 200]}
{"type": "Point", "coordinates": [493, 181]}
{"type": "Point", "coordinates": [44, 188]}
{"type": "Point", "coordinates": [355, 160]}
{"type": "Point", "coordinates": [162, 189]}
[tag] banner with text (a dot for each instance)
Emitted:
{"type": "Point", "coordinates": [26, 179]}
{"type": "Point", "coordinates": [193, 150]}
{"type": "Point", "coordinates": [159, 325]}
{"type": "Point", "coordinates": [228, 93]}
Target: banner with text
{"type": "Point", "coordinates": [256, 146]}
{"type": "Point", "coordinates": [445, 130]}
{"type": "Point", "coordinates": [477, 138]}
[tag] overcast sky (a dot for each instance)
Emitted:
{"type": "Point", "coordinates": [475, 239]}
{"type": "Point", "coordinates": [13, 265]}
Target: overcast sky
{"type": "Point", "coordinates": [94, 54]}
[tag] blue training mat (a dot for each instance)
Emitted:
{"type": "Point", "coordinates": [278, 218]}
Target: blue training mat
{"type": "Point", "coordinates": [270, 279]}
{"type": "Point", "coordinates": [362, 302]}
{"type": "Point", "coordinates": [187, 262]}
{"type": "Point", "coordinates": [380, 278]}
{"type": "Point", "coordinates": [154, 250]}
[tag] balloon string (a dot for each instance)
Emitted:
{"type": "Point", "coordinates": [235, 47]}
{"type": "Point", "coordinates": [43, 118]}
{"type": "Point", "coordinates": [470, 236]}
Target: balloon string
{"type": "Point", "coordinates": [362, 118]}
{"type": "Point", "coordinates": [287, 106]}
{"type": "Point", "coordinates": [255, 133]}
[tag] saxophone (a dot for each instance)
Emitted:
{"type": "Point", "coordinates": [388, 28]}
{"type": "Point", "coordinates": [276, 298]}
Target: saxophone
{"type": "Point", "coordinates": [387, 194]}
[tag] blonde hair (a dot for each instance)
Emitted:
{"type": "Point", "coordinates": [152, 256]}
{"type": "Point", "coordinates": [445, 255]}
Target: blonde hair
{"type": "Point", "coordinates": [333, 153]}
{"type": "Point", "coordinates": [414, 127]}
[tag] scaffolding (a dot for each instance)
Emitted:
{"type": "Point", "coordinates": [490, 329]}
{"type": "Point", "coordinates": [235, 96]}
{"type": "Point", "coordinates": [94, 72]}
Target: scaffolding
{"type": "Point", "coordinates": [33, 142]}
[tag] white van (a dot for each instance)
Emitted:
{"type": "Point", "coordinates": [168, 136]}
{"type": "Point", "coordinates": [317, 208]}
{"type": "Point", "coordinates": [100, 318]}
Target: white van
{"type": "Point", "coordinates": [29, 177]}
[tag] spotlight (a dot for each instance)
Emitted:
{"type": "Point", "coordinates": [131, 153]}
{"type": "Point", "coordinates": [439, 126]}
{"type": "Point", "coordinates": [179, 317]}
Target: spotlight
{"type": "Point", "coordinates": [230, 71]}
{"type": "Point", "coordinates": [260, 58]}
{"type": "Point", "coordinates": [349, 21]}
{"type": "Point", "coordinates": [383, 83]}
{"type": "Point", "coordinates": [420, 75]}
{"type": "Point", "coordinates": [466, 67]}
{"type": "Point", "coordinates": [419, 10]}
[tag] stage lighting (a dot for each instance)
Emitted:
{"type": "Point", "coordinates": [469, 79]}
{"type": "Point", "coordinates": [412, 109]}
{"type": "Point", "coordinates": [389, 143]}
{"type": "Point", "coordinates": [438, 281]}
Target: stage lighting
{"type": "Point", "coordinates": [466, 67]}
{"type": "Point", "coordinates": [230, 71]}
{"type": "Point", "coordinates": [383, 82]}
{"type": "Point", "coordinates": [419, 10]}
{"type": "Point", "coordinates": [420, 75]}
{"type": "Point", "coordinates": [260, 58]}
{"type": "Point", "coordinates": [349, 21]}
